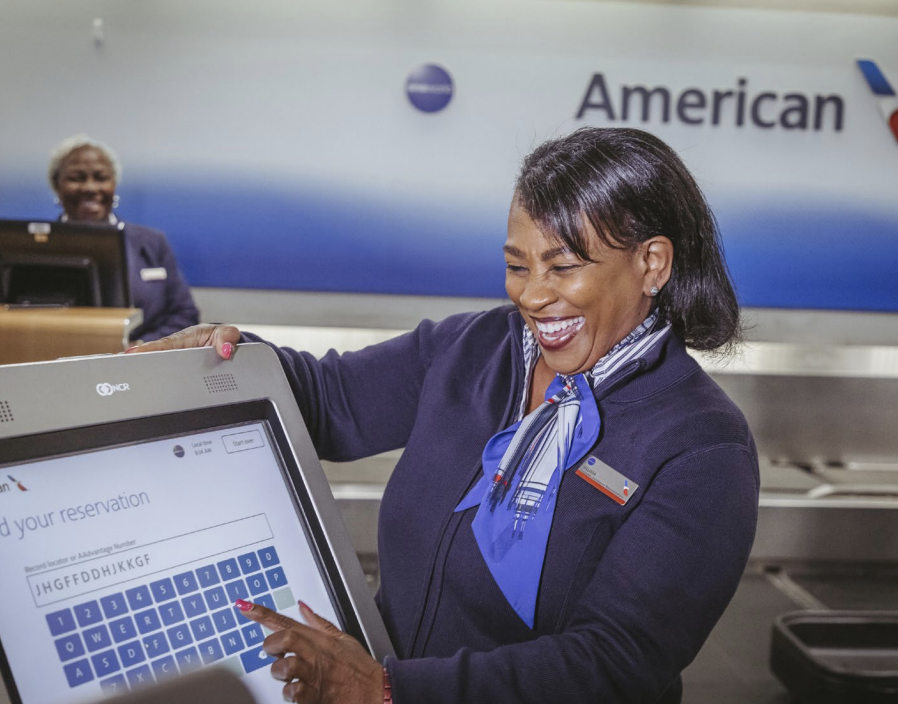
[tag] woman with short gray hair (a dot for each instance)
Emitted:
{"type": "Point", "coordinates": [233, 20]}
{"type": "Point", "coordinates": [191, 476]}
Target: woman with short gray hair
{"type": "Point", "coordinates": [84, 174]}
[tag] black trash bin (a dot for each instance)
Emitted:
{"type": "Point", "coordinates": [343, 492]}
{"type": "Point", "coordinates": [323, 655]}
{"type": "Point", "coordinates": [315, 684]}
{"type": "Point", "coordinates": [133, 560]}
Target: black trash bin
{"type": "Point", "coordinates": [837, 657]}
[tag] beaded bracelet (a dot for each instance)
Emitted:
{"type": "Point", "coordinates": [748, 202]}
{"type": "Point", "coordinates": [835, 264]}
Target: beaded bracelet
{"type": "Point", "coordinates": [388, 689]}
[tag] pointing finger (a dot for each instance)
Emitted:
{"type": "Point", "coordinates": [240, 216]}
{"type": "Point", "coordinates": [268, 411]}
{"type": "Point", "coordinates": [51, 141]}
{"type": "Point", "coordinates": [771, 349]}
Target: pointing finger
{"type": "Point", "coordinates": [272, 620]}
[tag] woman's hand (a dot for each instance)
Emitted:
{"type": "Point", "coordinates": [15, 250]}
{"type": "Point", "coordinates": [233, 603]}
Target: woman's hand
{"type": "Point", "coordinates": [223, 338]}
{"type": "Point", "coordinates": [319, 663]}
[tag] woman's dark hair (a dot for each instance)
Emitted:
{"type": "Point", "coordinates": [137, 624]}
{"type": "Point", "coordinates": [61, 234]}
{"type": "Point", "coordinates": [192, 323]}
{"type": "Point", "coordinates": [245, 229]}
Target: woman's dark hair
{"type": "Point", "coordinates": [630, 186]}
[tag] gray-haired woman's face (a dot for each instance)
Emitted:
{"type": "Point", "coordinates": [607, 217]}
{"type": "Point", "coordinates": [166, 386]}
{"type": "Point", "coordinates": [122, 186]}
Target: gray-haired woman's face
{"type": "Point", "coordinates": [86, 185]}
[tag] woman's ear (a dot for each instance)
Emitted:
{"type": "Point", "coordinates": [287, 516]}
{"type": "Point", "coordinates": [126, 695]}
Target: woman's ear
{"type": "Point", "coordinates": [658, 253]}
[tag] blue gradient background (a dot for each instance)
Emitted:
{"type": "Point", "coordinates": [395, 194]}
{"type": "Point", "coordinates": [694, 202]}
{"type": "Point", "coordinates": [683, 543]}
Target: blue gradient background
{"type": "Point", "coordinates": [786, 254]}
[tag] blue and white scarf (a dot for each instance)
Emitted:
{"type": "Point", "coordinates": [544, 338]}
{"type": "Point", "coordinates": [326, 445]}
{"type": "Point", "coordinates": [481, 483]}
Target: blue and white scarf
{"type": "Point", "coordinates": [525, 462]}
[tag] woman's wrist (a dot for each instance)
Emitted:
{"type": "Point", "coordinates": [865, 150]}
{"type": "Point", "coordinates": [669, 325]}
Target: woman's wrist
{"type": "Point", "coordinates": [388, 688]}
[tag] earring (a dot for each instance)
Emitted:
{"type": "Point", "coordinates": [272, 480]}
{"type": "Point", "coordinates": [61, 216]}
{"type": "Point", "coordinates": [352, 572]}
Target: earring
{"type": "Point", "coordinates": [654, 291]}
{"type": "Point", "coordinates": [115, 201]}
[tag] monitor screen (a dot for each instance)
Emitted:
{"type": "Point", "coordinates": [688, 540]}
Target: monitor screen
{"type": "Point", "coordinates": [125, 541]}
{"type": "Point", "coordinates": [55, 263]}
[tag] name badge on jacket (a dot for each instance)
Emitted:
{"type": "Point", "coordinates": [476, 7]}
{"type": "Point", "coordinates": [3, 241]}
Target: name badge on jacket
{"type": "Point", "coordinates": [607, 479]}
{"type": "Point", "coordinates": [157, 273]}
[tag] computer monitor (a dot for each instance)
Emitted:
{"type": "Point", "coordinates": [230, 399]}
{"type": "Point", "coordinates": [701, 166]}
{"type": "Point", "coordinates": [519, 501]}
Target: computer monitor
{"type": "Point", "coordinates": [68, 264]}
{"type": "Point", "coordinates": [140, 495]}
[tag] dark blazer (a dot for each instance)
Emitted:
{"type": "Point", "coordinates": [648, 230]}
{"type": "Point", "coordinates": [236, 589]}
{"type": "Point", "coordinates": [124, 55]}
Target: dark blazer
{"type": "Point", "coordinates": [628, 593]}
{"type": "Point", "coordinates": [157, 285]}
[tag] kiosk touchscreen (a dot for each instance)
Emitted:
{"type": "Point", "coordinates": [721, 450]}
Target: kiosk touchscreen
{"type": "Point", "coordinates": [140, 495]}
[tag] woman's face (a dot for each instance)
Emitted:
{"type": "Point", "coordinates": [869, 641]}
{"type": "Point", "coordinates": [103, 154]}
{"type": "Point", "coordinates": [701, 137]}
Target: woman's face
{"type": "Point", "coordinates": [577, 310]}
{"type": "Point", "coordinates": [86, 185]}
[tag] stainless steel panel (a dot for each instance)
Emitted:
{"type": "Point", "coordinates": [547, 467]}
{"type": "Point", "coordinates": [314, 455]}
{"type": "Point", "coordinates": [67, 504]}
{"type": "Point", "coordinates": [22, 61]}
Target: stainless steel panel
{"type": "Point", "coordinates": [814, 405]}
{"type": "Point", "coordinates": [826, 530]}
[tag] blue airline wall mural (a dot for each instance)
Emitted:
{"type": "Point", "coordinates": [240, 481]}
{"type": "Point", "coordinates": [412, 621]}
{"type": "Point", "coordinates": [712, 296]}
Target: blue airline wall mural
{"type": "Point", "coordinates": [285, 147]}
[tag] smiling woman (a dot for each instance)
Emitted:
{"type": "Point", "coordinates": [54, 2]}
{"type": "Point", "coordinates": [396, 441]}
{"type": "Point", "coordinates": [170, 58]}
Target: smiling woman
{"type": "Point", "coordinates": [84, 174]}
{"type": "Point", "coordinates": [578, 309]}
{"type": "Point", "coordinates": [85, 183]}
{"type": "Point", "coordinates": [584, 551]}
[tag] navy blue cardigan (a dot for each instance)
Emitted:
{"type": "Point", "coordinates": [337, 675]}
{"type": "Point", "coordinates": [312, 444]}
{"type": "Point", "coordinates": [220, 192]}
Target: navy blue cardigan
{"type": "Point", "coordinates": [165, 300]}
{"type": "Point", "coordinates": [628, 593]}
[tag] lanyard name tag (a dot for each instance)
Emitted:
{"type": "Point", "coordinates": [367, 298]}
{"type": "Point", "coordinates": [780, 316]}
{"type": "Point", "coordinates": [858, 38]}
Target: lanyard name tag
{"type": "Point", "coordinates": [607, 480]}
{"type": "Point", "coordinates": [155, 274]}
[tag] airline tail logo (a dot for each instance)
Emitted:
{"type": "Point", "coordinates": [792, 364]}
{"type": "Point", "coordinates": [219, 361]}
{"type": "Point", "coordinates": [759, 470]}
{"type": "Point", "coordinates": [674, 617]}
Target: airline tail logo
{"type": "Point", "coordinates": [885, 94]}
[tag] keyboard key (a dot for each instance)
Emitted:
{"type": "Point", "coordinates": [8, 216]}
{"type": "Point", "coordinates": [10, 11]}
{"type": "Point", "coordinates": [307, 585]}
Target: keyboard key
{"type": "Point", "coordinates": [249, 563]}
{"type": "Point", "coordinates": [210, 651]}
{"type": "Point", "coordinates": [147, 621]}
{"type": "Point", "coordinates": [256, 584]}
{"type": "Point", "coordinates": [202, 628]}
{"type": "Point", "coordinates": [140, 676]}
{"type": "Point", "coordinates": [208, 576]}
{"type": "Point", "coordinates": [164, 667]}
{"type": "Point", "coordinates": [61, 622]}
{"type": "Point", "coordinates": [236, 590]}
{"type": "Point", "coordinates": [171, 613]}
{"type": "Point", "coordinates": [255, 659]}
{"type": "Point", "coordinates": [228, 569]}
{"type": "Point", "coordinates": [252, 634]}
{"type": "Point", "coordinates": [265, 600]}
{"type": "Point", "coordinates": [232, 642]}
{"type": "Point", "coordinates": [131, 653]}
{"type": "Point", "coordinates": [185, 583]}
{"type": "Point", "coordinates": [284, 599]}
{"type": "Point", "coordinates": [188, 660]}
{"type": "Point", "coordinates": [88, 613]}
{"type": "Point", "coordinates": [78, 673]}
{"type": "Point", "coordinates": [163, 590]}
{"type": "Point", "coordinates": [194, 605]}
{"type": "Point", "coordinates": [114, 685]}
{"type": "Point", "coordinates": [139, 597]}
{"type": "Point", "coordinates": [114, 605]}
{"type": "Point", "coordinates": [276, 577]}
{"type": "Point", "coordinates": [269, 557]}
{"type": "Point", "coordinates": [155, 645]}
{"type": "Point", "coordinates": [97, 638]}
{"type": "Point", "coordinates": [69, 647]}
{"type": "Point", "coordinates": [105, 663]}
{"type": "Point", "coordinates": [216, 598]}
{"type": "Point", "coordinates": [122, 629]}
{"type": "Point", "coordinates": [180, 636]}
{"type": "Point", "coordinates": [224, 620]}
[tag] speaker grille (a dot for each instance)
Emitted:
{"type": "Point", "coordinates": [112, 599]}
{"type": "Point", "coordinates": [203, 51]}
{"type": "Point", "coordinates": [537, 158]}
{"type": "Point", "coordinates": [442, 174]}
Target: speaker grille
{"type": "Point", "coordinates": [217, 383]}
{"type": "Point", "coordinates": [5, 412]}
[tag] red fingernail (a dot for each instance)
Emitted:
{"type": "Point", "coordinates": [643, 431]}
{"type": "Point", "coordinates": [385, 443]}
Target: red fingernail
{"type": "Point", "coordinates": [131, 349]}
{"type": "Point", "coordinates": [304, 605]}
{"type": "Point", "coordinates": [243, 605]}
{"type": "Point", "coordinates": [227, 349]}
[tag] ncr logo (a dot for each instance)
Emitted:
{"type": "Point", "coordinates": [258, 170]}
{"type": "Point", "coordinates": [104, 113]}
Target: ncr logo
{"type": "Point", "coordinates": [105, 389]}
{"type": "Point", "coordinates": [885, 94]}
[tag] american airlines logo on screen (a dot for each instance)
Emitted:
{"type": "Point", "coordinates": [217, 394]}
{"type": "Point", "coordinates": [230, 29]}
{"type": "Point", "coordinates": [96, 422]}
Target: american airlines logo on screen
{"type": "Point", "coordinates": [105, 389]}
{"type": "Point", "coordinates": [885, 94]}
{"type": "Point", "coordinates": [736, 106]}
{"type": "Point", "coordinates": [4, 487]}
